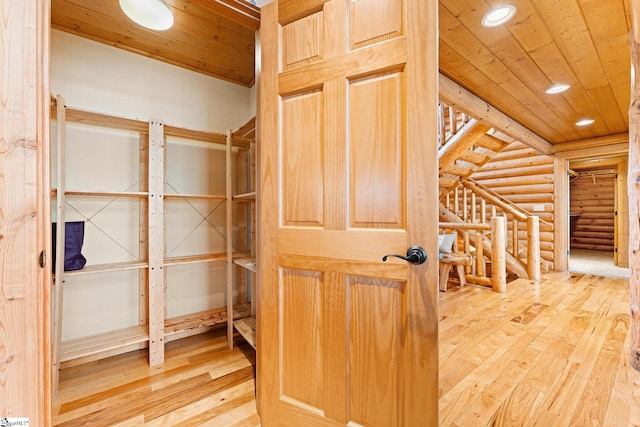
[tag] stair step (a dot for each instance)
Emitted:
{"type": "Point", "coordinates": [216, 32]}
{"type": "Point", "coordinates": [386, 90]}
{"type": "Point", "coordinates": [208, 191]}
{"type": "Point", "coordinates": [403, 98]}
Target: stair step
{"type": "Point", "coordinates": [473, 157]}
{"type": "Point", "coordinates": [446, 183]}
{"type": "Point", "coordinates": [458, 170]}
{"type": "Point", "coordinates": [492, 143]}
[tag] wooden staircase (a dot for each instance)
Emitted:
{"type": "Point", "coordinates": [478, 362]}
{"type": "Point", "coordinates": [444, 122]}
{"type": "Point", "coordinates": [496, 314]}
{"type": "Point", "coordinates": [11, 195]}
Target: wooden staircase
{"type": "Point", "coordinates": [465, 146]}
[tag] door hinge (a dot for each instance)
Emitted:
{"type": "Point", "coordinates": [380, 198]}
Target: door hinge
{"type": "Point", "coordinates": [567, 251]}
{"type": "Point", "coordinates": [42, 259]}
{"type": "Point", "coordinates": [615, 212]}
{"type": "Point", "coordinates": [615, 250]}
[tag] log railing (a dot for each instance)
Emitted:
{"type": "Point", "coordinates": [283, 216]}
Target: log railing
{"type": "Point", "coordinates": [450, 121]}
{"type": "Point", "coordinates": [475, 205]}
{"type": "Point", "coordinates": [480, 250]}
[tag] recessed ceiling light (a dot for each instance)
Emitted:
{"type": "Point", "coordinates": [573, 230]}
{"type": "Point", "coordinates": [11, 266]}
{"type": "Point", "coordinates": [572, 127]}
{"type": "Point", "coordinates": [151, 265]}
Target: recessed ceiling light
{"type": "Point", "coordinates": [498, 16]}
{"type": "Point", "coordinates": [152, 14]}
{"type": "Point", "coordinates": [585, 122]}
{"type": "Point", "coordinates": [557, 88]}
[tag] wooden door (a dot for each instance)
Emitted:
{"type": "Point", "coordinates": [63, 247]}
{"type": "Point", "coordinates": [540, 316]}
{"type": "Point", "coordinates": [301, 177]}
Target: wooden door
{"type": "Point", "coordinates": [25, 383]}
{"type": "Point", "coordinates": [348, 167]}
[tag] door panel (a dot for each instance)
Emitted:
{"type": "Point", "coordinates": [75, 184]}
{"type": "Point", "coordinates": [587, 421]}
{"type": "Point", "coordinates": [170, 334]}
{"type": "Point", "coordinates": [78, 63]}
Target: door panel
{"type": "Point", "coordinates": [375, 314]}
{"type": "Point", "coordinates": [374, 21]}
{"type": "Point", "coordinates": [347, 140]}
{"type": "Point", "coordinates": [301, 338]}
{"type": "Point", "coordinates": [376, 155]}
{"type": "Point", "coordinates": [302, 159]}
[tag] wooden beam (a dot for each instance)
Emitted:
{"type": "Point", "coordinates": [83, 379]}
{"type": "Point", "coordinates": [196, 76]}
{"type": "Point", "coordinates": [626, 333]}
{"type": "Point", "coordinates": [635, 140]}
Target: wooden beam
{"type": "Point", "coordinates": [602, 141]}
{"type": "Point", "coordinates": [609, 150]}
{"type": "Point", "coordinates": [617, 144]}
{"type": "Point", "coordinates": [460, 142]}
{"type": "Point", "coordinates": [455, 95]}
{"type": "Point", "coordinates": [633, 189]}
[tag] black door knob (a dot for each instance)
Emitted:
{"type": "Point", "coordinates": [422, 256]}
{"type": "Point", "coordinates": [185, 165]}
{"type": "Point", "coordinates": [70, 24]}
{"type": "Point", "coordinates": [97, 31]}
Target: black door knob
{"type": "Point", "coordinates": [415, 255]}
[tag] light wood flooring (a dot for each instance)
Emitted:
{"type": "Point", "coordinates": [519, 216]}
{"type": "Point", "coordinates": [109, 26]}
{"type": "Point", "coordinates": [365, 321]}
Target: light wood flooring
{"type": "Point", "coordinates": [202, 383]}
{"type": "Point", "coordinates": [553, 354]}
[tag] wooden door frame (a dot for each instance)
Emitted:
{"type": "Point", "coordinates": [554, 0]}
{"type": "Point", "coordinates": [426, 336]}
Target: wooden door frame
{"type": "Point", "coordinates": [562, 204]}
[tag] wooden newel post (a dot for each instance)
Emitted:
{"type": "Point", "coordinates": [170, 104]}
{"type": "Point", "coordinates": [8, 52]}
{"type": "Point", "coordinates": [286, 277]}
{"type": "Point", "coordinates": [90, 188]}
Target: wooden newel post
{"type": "Point", "coordinates": [533, 248]}
{"type": "Point", "coordinates": [498, 254]}
{"type": "Point", "coordinates": [633, 190]}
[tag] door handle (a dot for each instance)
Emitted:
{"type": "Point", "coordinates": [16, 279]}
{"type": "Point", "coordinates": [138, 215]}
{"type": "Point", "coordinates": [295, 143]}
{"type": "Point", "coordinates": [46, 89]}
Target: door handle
{"type": "Point", "coordinates": [415, 255]}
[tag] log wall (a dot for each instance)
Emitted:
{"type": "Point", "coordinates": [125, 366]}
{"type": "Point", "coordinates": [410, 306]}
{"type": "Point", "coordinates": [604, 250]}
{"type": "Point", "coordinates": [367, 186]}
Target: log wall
{"type": "Point", "coordinates": [524, 176]}
{"type": "Point", "coordinates": [592, 200]}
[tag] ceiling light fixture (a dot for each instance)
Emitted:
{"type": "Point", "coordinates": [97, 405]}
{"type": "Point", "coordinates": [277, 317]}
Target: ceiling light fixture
{"type": "Point", "coordinates": [152, 14]}
{"type": "Point", "coordinates": [585, 122]}
{"type": "Point", "coordinates": [557, 88]}
{"type": "Point", "coordinates": [498, 16]}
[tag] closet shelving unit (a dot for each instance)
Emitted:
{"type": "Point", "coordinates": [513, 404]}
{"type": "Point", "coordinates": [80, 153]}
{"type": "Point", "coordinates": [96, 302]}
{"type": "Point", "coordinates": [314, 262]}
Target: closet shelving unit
{"type": "Point", "coordinates": [154, 329]}
{"type": "Point", "coordinates": [242, 262]}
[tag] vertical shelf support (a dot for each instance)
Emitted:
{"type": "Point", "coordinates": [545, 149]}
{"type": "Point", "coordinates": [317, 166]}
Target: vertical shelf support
{"type": "Point", "coordinates": [229, 206]}
{"type": "Point", "coordinates": [143, 236]}
{"type": "Point", "coordinates": [156, 242]}
{"type": "Point", "coordinates": [60, 233]}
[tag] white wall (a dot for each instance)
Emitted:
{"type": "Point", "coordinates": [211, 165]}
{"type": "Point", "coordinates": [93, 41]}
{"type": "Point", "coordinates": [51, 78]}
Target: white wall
{"type": "Point", "coordinates": [97, 77]}
{"type": "Point", "coordinates": [100, 78]}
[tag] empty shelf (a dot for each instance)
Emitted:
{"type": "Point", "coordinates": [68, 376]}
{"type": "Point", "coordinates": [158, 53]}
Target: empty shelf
{"type": "Point", "coordinates": [194, 258]}
{"type": "Point", "coordinates": [247, 328]}
{"type": "Point", "coordinates": [216, 316]}
{"type": "Point", "coordinates": [248, 263]}
{"type": "Point", "coordinates": [86, 346]}
{"type": "Point", "coordinates": [102, 268]}
{"type": "Point", "coordinates": [245, 196]}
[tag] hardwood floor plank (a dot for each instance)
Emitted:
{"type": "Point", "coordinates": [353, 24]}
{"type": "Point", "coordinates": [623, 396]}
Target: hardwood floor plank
{"type": "Point", "coordinates": [124, 391]}
{"type": "Point", "coordinates": [555, 354]}
{"type": "Point", "coordinates": [176, 398]}
{"type": "Point", "coordinates": [621, 399]}
{"type": "Point", "coordinates": [549, 354]}
{"type": "Point", "coordinates": [133, 422]}
{"type": "Point", "coordinates": [208, 408]}
{"type": "Point", "coordinates": [230, 417]}
{"type": "Point", "coordinates": [600, 383]}
{"type": "Point", "coordinates": [251, 421]}
{"type": "Point", "coordinates": [196, 368]}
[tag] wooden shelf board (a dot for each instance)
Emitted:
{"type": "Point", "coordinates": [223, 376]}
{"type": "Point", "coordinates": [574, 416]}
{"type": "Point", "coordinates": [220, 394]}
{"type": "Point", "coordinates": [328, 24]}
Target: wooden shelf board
{"type": "Point", "coordinates": [248, 263]}
{"type": "Point", "coordinates": [247, 328]}
{"type": "Point", "coordinates": [195, 258]}
{"type": "Point", "coordinates": [195, 135]}
{"type": "Point", "coordinates": [98, 119]}
{"type": "Point", "coordinates": [216, 316]}
{"type": "Point", "coordinates": [245, 196]}
{"type": "Point", "coordinates": [86, 346]}
{"type": "Point", "coordinates": [102, 268]}
{"type": "Point", "coordinates": [107, 193]}
{"type": "Point", "coordinates": [195, 196]}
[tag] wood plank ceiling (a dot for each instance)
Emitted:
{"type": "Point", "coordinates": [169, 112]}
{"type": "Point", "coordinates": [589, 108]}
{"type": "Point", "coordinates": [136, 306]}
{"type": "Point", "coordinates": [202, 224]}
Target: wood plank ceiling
{"type": "Point", "coordinates": [579, 42]}
{"type": "Point", "coordinates": [213, 37]}
{"type": "Point", "coordinates": [583, 43]}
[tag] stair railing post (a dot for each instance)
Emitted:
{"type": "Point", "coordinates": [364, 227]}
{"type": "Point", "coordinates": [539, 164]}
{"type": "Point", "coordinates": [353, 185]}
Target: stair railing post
{"type": "Point", "coordinates": [498, 254]}
{"type": "Point", "coordinates": [533, 248]}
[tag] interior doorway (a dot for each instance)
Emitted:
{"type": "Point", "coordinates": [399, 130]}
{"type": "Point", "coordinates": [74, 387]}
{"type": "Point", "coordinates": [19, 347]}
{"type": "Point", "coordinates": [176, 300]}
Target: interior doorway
{"type": "Point", "coordinates": [598, 224]}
